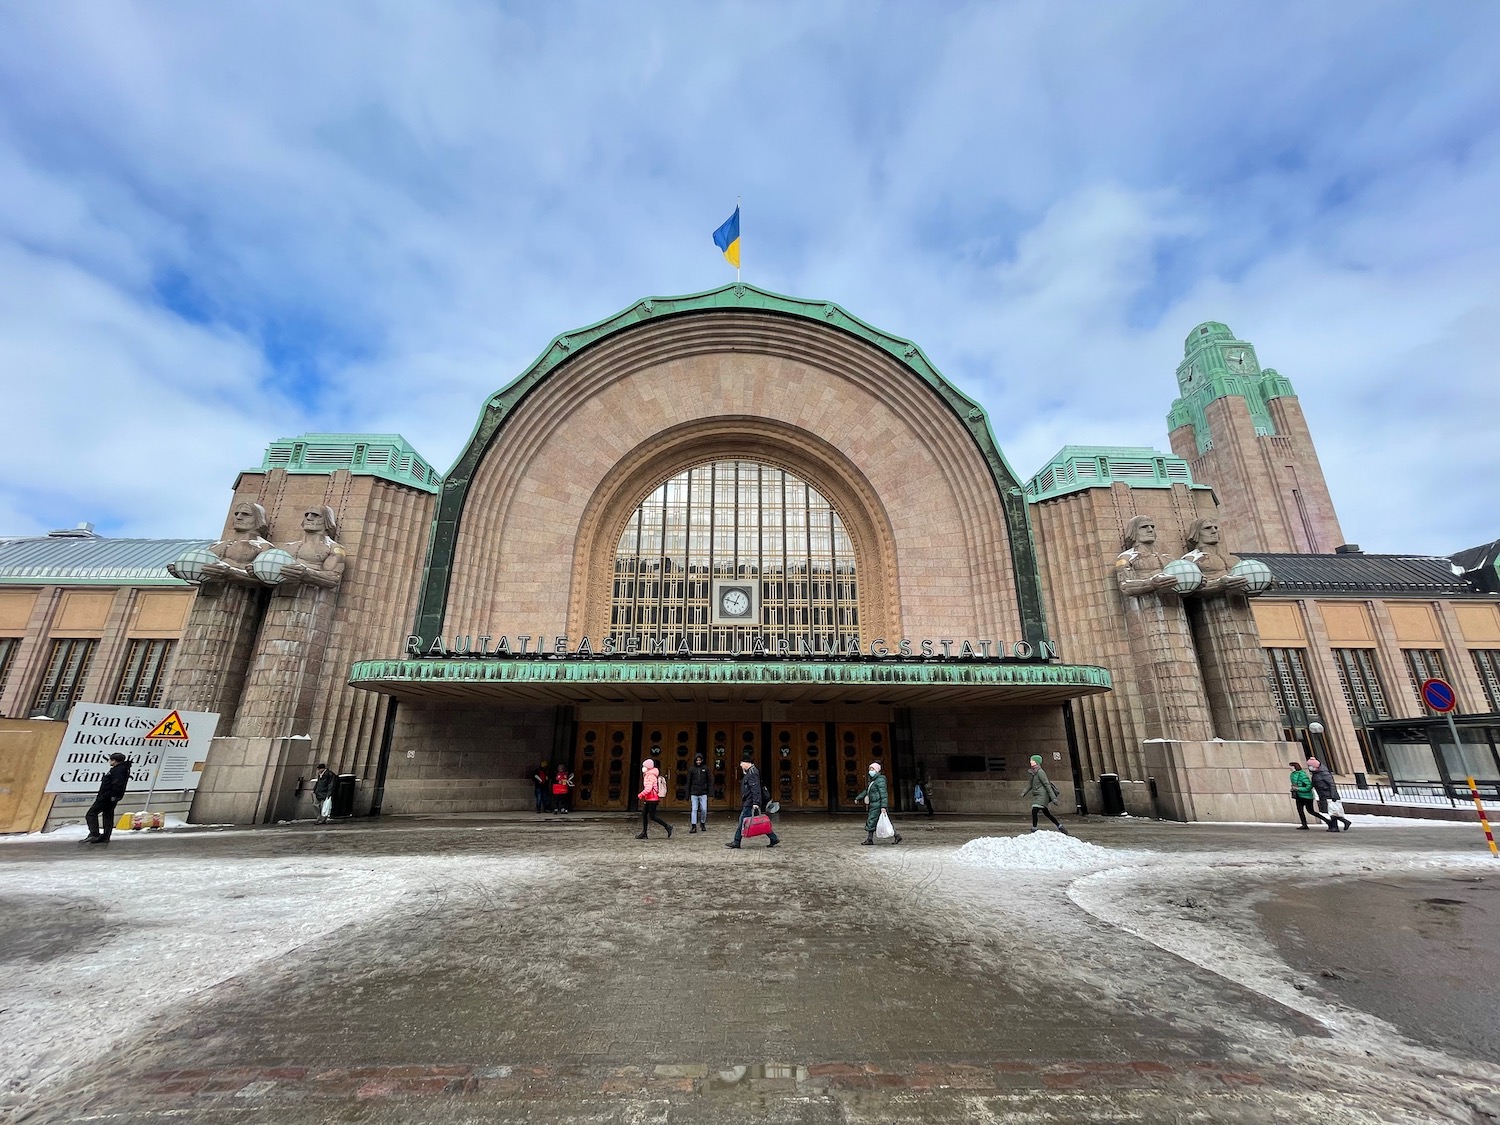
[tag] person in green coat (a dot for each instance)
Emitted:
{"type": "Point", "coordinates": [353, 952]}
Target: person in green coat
{"type": "Point", "coordinates": [1042, 793]}
{"type": "Point", "coordinates": [876, 797]}
{"type": "Point", "coordinates": [1303, 794]}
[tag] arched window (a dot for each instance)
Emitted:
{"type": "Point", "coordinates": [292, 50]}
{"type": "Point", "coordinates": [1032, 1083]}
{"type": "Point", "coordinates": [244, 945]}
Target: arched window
{"type": "Point", "coordinates": [735, 520]}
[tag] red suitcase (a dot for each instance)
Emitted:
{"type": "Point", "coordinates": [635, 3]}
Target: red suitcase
{"type": "Point", "coordinates": [757, 825]}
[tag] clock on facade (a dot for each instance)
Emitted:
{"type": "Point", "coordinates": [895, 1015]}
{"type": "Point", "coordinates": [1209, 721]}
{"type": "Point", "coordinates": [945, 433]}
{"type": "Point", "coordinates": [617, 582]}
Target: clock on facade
{"type": "Point", "coordinates": [734, 603]}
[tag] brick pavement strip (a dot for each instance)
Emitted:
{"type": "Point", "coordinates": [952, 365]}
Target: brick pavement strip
{"type": "Point", "coordinates": [432, 1080]}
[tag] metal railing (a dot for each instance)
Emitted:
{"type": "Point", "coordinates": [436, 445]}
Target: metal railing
{"type": "Point", "coordinates": [1431, 793]}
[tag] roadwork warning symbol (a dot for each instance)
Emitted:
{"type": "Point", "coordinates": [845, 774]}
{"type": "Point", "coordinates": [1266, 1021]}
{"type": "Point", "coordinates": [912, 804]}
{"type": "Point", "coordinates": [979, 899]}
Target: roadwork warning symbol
{"type": "Point", "coordinates": [170, 729]}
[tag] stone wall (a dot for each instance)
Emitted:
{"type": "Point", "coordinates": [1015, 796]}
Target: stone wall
{"type": "Point", "coordinates": [1012, 734]}
{"type": "Point", "coordinates": [1223, 781]}
{"type": "Point", "coordinates": [456, 757]}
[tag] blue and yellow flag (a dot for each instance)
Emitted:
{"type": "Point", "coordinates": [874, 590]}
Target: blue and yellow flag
{"type": "Point", "coordinates": [727, 238]}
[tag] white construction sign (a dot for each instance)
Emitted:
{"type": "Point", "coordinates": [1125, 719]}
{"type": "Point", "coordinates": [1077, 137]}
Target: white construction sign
{"type": "Point", "coordinates": [167, 748]}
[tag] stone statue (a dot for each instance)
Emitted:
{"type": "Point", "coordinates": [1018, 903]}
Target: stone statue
{"type": "Point", "coordinates": [1138, 568]}
{"type": "Point", "coordinates": [249, 525]}
{"type": "Point", "coordinates": [316, 559]}
{"type": "Point", "coordinates": [1205, 549]}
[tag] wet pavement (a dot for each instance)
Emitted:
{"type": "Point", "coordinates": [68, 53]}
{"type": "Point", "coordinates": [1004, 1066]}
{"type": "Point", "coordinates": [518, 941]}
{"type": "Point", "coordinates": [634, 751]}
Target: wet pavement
{"type": "Point", "coordinates": [1420, 952]}
{"type": "Point", "coordinates": [546, 969]}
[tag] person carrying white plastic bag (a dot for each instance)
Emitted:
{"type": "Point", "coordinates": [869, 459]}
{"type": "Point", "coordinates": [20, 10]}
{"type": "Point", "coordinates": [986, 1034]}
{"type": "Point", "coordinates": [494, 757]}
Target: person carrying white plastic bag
{"type": "Point", "coordinates": [876, 797]}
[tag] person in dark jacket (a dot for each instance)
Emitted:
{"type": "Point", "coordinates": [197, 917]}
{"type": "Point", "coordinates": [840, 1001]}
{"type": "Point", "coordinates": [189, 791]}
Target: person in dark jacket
{"type": "Point", "coordinates": [1328, 795]}
{"type": "Point", "coordinates": [749, 799]}
{"type": "Point", "coordinates": [698, 782]}
{"type": "Point", "coordinates": [323, 792]}
{"type": "Point", "coordinates": [111, 789]}
{"type": "Point", "coordinates": [923, 794]}
{"type": "Point", "coordinates": [541, 785]}
{"type": "Point", "coordinates": [876, 798]}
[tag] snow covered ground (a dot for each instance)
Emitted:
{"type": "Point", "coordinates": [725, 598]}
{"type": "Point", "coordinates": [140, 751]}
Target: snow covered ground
{"type": "Point", "coordinates": [98, 951]}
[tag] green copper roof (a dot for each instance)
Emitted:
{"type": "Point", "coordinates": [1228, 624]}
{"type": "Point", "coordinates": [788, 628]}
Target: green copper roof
{"type": "Point", "coordinates": [371, 455]}
{"type": "Point", "coordinates": [736, 297]}
{"type": "Point", "coordinates": [1076, 467]}
{"type": "Point", "coordinates": [1215, 366]}
{"type": "Point", "coordinates": [583, 679]}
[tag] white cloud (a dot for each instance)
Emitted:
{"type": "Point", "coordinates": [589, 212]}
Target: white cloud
{"type": "Point", "coordinates": [369, 218]}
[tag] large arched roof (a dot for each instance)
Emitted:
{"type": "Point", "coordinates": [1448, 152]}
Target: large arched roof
{"type": "Point", "coordinates": [738, 297]}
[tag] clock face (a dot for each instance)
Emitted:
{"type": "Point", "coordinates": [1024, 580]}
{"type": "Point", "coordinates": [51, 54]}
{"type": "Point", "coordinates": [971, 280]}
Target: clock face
{"type": "Point", "coordinates": [734, 602]}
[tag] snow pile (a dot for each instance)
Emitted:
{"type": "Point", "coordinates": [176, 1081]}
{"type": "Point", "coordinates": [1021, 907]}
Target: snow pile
{"type": "Point", "coordinates": [1041, 851]}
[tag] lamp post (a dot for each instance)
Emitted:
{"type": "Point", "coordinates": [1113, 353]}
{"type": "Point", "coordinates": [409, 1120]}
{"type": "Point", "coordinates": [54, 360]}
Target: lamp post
{"type": "Point", "coordinates": [1315, 735]}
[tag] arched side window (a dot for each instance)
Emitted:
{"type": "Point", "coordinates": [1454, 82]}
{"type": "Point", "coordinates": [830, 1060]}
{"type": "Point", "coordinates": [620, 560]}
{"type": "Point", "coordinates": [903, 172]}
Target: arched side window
{"type": "Point", "coordinates": [740, 520]}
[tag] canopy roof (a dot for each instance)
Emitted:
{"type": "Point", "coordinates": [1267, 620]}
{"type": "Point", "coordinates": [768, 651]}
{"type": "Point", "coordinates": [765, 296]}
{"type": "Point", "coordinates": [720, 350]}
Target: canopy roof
{"type": "Point", "coordinates": [896, 682]}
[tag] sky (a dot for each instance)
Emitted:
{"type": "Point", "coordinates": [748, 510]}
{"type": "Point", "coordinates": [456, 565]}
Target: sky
{"type": "Point", "coordinates": [225, 224]}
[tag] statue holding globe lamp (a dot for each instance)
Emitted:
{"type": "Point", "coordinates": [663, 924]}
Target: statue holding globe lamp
{"type": "Point", "coordinates": [1142, 569]}
{"type": "Point", "coordinates": [314, 560]}
{"type": "Point", "coordinates": [1223, 573]}
{"type": "Point", "coordinates": [229, 560]}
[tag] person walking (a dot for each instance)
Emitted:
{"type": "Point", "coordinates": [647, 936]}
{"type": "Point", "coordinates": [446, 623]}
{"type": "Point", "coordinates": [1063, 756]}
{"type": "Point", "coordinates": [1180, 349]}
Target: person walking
{"type": "Point", "coordinates": [653, 788]}
{"type": "Point", "coordinates": [698, 782]}
{"type": "Point", "coordinates": [1328, 795]}
{"type": "Point", "coordinates": [111, 788]}
{"type": "Point", "coordinates": [323, 785]}
{"type": "Point", "coordinates": [876, 798]}
{"type": "Point", "coordinates": [562, 785]}
{"type": "Point", "coordinates": [923, 795]}
{"type": "Point", "coordinates": [540, 784]}
{"type": "Point", "coordinates": [1042, 793]}
{"type": "Point", "coordinates": [749, 799]}
{"type": "Point", "coordinates": [1302, 794]}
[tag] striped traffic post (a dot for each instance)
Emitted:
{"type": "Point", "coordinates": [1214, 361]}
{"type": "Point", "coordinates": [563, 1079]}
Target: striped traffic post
{"type": "Point", "coordinates": [1488, 835]}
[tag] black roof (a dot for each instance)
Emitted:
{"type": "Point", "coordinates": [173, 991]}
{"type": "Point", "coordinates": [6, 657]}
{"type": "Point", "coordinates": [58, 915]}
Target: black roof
{"type": "Point", "coordinates": [1377, 575]}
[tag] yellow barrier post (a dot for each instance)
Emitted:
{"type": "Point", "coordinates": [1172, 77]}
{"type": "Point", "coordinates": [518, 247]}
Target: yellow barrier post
{"type": "Point", "coordinates": [1488, 835]}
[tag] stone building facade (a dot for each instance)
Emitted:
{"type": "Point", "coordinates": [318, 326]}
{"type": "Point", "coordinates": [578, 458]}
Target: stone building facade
{"type": "Point", "coordinates": [743, 523]}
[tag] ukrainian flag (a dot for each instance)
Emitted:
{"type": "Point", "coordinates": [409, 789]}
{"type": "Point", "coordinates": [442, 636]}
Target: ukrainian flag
{"type": "Point", "coordinates": [727, 238]}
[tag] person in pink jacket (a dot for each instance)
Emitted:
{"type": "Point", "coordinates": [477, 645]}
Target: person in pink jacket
{"type": "Point", "coordinates": [651, 797]}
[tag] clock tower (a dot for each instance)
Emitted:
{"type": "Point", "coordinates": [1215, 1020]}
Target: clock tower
{"type": "Point", "coordinates": [1241, 429]}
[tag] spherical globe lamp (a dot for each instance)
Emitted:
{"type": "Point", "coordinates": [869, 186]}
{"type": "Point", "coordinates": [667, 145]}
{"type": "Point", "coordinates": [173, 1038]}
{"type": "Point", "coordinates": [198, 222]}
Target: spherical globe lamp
{"type": "Point", "coordinates": [190, 565]}
{"type": "Point", "coordinates": [1256, 573]}
{"type": "Point", "coordinates": [1188, 576]}
{"type": "Point", "coordinates": [269, 564]}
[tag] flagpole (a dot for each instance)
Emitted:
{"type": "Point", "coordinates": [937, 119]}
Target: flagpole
{"type": "Point", "coordinates": [742, 239]}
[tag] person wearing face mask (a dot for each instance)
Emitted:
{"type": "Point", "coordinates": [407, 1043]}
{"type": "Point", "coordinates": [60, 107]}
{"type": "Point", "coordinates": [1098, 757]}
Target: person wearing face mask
{"type": "Point", "coordinates": [876, 798]}
{"type": "Point", "coordinates": [1042, 793]}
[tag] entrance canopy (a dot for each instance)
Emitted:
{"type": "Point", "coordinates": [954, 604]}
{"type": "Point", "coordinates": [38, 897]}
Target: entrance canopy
{"type": "Point", "coordinates": [894, 682]}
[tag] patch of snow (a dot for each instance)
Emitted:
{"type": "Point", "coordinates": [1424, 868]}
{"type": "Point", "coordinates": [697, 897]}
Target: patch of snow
{"type": "Point", "coordinates": [1043, 851]}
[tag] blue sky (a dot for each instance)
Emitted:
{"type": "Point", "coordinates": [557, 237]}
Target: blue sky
{"type": "Point", "coordinates": [225, 224]}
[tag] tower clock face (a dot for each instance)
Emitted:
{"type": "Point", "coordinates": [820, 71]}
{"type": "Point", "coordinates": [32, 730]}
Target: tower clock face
{"type": "Point", "coordinates": [734, 603]}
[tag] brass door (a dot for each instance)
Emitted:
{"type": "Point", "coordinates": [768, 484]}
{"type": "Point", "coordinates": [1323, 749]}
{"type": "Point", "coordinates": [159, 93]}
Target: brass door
{"type": "Point", "coordinates": [601, 766]}
{"type": "Point", "coordinates": [678, 742]}
{"type": "Point", "coordinates": [859, 744]}
{"type": "Point", "coordinates": [726, 741]}
{"type": "Point", "coordinates": [797, 765]}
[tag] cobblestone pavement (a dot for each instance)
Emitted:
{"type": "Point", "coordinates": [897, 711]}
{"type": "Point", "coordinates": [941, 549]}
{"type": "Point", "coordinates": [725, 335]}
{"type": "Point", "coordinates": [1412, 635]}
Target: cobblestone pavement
{"type": "Point", "coordinates": [557, 969]}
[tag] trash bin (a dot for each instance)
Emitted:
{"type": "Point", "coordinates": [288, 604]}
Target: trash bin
{"type": "Point", "coordinates": [1111, 800]}
{"type": "Point", "coordinates": [343, 795]}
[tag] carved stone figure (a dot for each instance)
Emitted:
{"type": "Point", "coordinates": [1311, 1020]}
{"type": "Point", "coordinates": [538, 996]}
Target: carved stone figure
{"type": "Point", "coordinates": [1205, 548]}
{"type": "Point", "coordinates": [1138, 568]}
{"type": "Point", "coordinates": [249, 525]}
{"type": "Point", "coordinates": [317, 559]}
